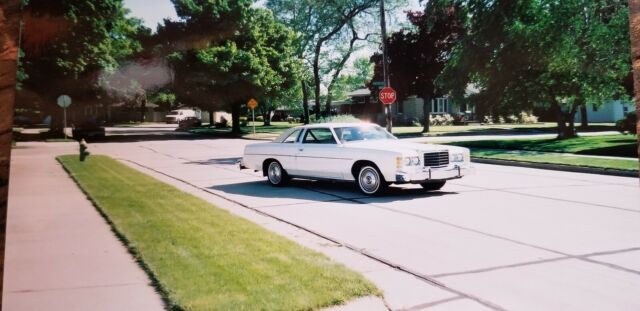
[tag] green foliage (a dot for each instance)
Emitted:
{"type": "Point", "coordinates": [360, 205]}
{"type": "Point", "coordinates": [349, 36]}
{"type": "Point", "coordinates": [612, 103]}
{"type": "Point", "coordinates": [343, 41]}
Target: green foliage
{"type": "Point", "coordinates": [67, 45]}
{"type": "Point", "coordinates": [341, 118]}
{"type": "Point", "coordinates": [256, 61]}
{"type": "Point", "coordinates": [360, 74]}
{"type": "Point", "coordinates": [560, 54]}
{"type": "Point", "coordinates": [166, 100]}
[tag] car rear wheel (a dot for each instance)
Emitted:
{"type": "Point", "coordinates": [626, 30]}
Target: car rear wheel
{"type": "Point", "coordinates": [370, 181]}
{"type": "Point", "coordinates": [276, 175]}
{"type": "Point", "coordinates": [433, 185]}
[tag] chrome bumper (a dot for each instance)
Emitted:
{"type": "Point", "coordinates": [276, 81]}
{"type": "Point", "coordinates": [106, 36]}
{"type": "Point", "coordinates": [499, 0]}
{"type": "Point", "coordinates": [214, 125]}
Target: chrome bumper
{"type": "Point", "coordinates": [425, 174]}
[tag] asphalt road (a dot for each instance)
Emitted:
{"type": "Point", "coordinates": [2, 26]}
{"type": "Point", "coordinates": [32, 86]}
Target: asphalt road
{"type": "Point", "coordinates": [505, 238]}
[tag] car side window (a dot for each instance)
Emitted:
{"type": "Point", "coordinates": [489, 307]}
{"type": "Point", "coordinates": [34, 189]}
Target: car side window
{"type": "Point", "coordinates": [319, 136]}
{"type": "Point", "coordinates": [292, 138]}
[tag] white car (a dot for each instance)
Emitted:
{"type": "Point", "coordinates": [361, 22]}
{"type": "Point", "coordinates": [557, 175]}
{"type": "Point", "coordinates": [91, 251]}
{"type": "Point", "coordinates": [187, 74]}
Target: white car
{"type": "Point", "coordinates": [361, 152]}
{"type": "Point", "coordinates": [175, 116]}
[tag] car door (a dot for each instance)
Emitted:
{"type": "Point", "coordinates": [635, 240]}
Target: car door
{"type": "Point", "coordinates": [319, 154]}
{"type": "Point", "coordinates": [287, 150]}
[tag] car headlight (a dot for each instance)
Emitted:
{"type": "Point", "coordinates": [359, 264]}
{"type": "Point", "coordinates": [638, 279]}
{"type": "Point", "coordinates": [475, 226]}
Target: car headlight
{"type": "Point", "coordinates": [411, 161]}
{"type": "Point", "coordinates": [457, 157]}
{"type": "Point", "coordinates": [415, 160]}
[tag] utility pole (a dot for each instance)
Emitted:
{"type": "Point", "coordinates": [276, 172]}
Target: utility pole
{"type": "Point", "coordinates": [10, 23]}
{"type": "Point", "coordinates": [385, 64]}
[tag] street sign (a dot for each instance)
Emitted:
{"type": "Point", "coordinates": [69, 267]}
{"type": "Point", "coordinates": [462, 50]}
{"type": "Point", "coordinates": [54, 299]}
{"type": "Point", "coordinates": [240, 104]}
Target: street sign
{"type": "Point", "coordinates": [64, 101]}
{"type": "Point", "coordinates": [387, 96]}
{"type": "Point", "coordinates": [377, 83]}
{"type": "Point", "coordinates": [252, 104]}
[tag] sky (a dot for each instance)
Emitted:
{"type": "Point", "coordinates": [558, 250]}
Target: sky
{"type": "Point", "coordinates": [153, 12]}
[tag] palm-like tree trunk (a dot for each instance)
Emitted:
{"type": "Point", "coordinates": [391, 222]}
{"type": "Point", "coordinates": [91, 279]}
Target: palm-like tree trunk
{"type": "Point", "coordinates": [634, 26]}
{"type": "Point", "coordinates": [9, 29]}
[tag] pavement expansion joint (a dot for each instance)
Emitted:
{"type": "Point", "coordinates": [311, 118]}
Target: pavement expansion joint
{"type": "Point", "coordinates": [420, 276]}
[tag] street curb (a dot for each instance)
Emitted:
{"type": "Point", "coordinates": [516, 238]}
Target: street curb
{"type": "Point", "coordinates": [558, 167]}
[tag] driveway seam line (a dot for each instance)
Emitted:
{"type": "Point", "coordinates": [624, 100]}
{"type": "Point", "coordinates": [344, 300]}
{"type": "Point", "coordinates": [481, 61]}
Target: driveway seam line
{"type": "Point", "coordinates": [424, 278]}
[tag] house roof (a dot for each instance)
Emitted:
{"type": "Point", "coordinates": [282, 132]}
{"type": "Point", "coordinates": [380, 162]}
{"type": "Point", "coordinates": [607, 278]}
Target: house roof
{"type": "Point", "coordinates": [359, 93]}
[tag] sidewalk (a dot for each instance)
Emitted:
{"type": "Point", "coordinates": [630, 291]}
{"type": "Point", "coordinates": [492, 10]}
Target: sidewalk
{"type": "Point", "coordinates": [60, 253]}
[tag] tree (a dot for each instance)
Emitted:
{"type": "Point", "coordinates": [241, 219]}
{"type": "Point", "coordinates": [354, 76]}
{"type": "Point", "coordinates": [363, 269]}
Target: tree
{"type": "Point", "coordinates": [323, 27]}
{"type": "Point", "coordinates": [634, 26]}
{"type": "Point", "coordinates": [418, 56]}
{"type": "Point", "coordinates": [255, 62]}
{"type": "Point", "coordinates": [67, 45]}
{"type": "Point", "coordinates": [359, 76]}
{"type": "Point", "coordinates": [9, 25]}
{"type": "Point", "coordinates": [561, 54]}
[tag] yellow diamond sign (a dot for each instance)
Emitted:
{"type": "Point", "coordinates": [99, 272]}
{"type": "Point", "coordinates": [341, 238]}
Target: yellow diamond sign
{"type": "Point", "coordinates": [252, 104]}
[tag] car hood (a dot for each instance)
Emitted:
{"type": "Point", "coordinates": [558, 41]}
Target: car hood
{"type": "Point", "coordinates": [400, 146]}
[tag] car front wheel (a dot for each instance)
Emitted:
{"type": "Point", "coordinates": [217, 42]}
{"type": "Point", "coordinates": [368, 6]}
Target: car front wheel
{"type": "Point", "coordinates": [370, 181]}
{"type": "Point", "coordinates": [276, 175]}
{"type": "Point", "coordinates": [433, 185]}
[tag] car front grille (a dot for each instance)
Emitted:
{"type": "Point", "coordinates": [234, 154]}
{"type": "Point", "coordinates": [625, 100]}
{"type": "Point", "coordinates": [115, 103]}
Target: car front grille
{"type": "Point", "coordinates": [436, 159]}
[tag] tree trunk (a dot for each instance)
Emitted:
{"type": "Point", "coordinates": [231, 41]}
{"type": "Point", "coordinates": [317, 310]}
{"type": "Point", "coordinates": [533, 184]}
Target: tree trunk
{"type": "Point", "coordinates": [560, 119]}
{"type": "Point", "coordinates": [634, 26]}
{"type": "Point", "coordinates": [584, 120]}
{"type": "Point", "coordinates": [212, 122]}
{"type": "Point", "coordinates": [426, 107]}
{"type": "Point", "coordinates": [316, 80]}
{"type": "Point", "coordinates": [235, 119]}
{"type": "Point", "coordinates": [9, 28]}
{"type": "Point", "coordinates": [266, 116]}
{"type": "Point", "coordinates": [305, 102]}
{"type": "Point", "coordinates": [143, 108]}
{"type": "Point", "coordinates": [327, 104]}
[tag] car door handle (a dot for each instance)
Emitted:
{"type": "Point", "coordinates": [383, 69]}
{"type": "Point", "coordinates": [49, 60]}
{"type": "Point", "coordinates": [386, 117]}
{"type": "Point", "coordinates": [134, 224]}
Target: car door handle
{"type": "Point", "coordinates": [300, 149]}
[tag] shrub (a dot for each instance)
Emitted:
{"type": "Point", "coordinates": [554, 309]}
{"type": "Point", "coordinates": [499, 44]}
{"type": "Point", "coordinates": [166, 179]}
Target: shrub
{"type": "Point", "coordinates": [527, 118]}
{"type": "Point", "coordinates": [628, 124]}
{"type": "Point", "coordinates": [341, 118]}
{"type": "Point", "coordinates": [441, 119]}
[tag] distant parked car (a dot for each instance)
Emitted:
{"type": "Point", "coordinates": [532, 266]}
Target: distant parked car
{"type": "Point", "coordinates": [360, 152]}
{"type": "Point", "coordinates": [175, 116]}
{"type": "Point", "coordinates": [88, 129]}
{"type": "Point", "coordinates": [189, 122]}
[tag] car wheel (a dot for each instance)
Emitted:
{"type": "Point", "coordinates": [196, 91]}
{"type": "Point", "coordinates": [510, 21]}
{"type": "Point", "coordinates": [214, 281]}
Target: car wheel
{"type": "Point", "coordinates": [370, 181]}
{"type": "Point", "coordinates": [433, 185]}
{"type": "Point", "coordinates": [276, 175]}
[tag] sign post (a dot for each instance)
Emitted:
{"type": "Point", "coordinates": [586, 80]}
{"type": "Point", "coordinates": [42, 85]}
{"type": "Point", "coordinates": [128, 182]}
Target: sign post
{"type": "Point", "coordinates": [387, 96]}
{"type": "Point", "coordinates": [64, 101]}
{"type": "Point", "coordinates": [252, 104]}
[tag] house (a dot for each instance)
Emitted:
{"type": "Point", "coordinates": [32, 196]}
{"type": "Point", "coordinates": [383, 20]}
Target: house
{"type": "Point", "coordinates": [608, 112]}
{"type": "Point", "coordinates": [367, 107]}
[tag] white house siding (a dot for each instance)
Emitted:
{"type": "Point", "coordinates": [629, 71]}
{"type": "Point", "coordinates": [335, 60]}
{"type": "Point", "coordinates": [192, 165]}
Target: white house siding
{"type": "Point", "coordinates": [606, 113]}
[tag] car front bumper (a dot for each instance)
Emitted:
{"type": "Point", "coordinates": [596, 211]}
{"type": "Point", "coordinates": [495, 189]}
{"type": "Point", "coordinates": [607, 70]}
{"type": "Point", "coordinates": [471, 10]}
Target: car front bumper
{"type": "Point", "coordinates": [420, 175]}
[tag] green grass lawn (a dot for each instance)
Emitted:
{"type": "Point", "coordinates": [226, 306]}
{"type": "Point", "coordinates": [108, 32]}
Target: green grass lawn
{"type": "Point", "coordinates": [205, 258]}
{"type": "Point", "coordinates": [554, 158]}
{"type": "Point", "coordinates": [492, 129]}
{"type": "Point", "coordinates": [609, 145]}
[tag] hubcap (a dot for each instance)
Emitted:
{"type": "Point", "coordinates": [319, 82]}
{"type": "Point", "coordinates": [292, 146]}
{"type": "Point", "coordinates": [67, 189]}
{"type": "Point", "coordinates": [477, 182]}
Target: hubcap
{"type": "Point", "coordinates": [369, 180]}
{"type": "Point", "coordinates": [275, 173]}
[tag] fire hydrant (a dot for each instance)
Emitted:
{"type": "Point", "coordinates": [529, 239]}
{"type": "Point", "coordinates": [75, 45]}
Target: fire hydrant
{"type": "Point", "coordinates": [84, 153]}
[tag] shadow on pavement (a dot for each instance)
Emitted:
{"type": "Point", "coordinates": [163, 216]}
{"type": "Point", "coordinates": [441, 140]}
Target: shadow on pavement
{"type": "Point", "coordinates": [223, 161]}
{"type": "Point", "coordinates": [323, 191]}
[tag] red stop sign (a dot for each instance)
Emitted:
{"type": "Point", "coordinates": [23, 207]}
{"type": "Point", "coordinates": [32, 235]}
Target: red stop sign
{"type": "Point", "coordinates": [387, 95]}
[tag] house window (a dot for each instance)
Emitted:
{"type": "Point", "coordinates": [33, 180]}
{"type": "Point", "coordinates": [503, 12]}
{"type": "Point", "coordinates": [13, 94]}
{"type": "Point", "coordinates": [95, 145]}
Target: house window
{"type": "Point", "coordinates": [440, 105]}
{"type": "Point", "coordinates": [595, 108]}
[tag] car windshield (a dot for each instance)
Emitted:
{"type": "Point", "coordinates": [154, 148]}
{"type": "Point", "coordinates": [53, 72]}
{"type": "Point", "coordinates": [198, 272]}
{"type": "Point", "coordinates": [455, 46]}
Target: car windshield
{"type": "Point", "coordinates": [359, 133]}
{"type": "Point", "coordinates": [173, 112]}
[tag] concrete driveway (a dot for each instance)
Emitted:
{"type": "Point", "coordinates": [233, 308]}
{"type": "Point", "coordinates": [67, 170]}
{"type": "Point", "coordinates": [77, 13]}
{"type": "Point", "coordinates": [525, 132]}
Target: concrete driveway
{"type": "Point", "coordinates": [505, 238]}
